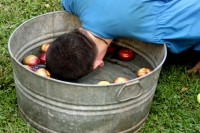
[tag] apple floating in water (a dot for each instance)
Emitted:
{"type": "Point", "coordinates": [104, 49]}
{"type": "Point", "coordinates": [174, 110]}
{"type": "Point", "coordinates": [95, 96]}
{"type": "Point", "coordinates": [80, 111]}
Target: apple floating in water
{"type": "Point", "coordinates": [43, 72]}
{"type": "Point", "coordinates": [111, 49]}
{"type": "Point", "coordinates": [143, 71]}
{"type": "Point", "coordinates": [103, 82]}
{"type": "Point", "coordinates": [120, 80]}
{"type": "Point", "coordinates": [31, 60]}
{"type": "Point", "coordinates": [126, 54]}
{"type": "Point", "coordinates": [45, 47]}
{"type": "Point", "coordinates": [42, 58]}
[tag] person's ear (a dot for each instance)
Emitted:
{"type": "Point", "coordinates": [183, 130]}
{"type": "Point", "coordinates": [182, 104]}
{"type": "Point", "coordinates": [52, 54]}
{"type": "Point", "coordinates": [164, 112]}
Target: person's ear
{"type": "Point", "coordinates": [98, 63]}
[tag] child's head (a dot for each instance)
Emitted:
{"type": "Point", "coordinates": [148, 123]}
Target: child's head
{"type": "Point", "coordinates": [71, 56]}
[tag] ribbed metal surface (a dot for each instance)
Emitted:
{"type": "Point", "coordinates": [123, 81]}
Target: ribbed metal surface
{"type": "Point", "coordinates": [52, 106]}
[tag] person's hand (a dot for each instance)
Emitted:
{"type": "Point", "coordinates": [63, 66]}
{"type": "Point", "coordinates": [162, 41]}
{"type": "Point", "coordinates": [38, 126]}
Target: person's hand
{"type": "Point", "coordinates": [195, 69]}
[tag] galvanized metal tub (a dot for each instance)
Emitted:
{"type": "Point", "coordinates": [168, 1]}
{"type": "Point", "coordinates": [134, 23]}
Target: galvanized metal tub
{"type": "Point", "coordinates": [50, 105]}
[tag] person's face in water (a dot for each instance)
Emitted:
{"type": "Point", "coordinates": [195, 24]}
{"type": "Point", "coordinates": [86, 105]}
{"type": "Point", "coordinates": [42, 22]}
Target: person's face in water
{"type": "Point", "coordinates": [102, 45]}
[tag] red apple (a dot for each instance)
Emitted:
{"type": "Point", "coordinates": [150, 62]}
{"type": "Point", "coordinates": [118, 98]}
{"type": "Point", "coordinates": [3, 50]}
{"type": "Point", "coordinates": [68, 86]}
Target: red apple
{"type": "Point", "coordinates": [143, 71]}
{"type": "Point", "coordinates": [103, 82]}
{"type": "Point", "coordinates": [43, 72]}
{"type": "Point", "coordinates": [120, 80]}
{"type": "Point", "coordinates": [29, 67]}
{"type": "Point", "coordinates": [125, 54]}
{"type": "Point", "coordinates": [111, 49]}
{"type": "Point", "coordinates": [45, 47]}
{"type": "Point", "coordinates": [42, 58]}
{"type": "Point", "coordinates": [31, 60]}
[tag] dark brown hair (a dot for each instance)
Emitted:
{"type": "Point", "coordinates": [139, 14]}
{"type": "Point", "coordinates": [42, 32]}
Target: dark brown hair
{"type": "Point", "coordinates": [71, 56]}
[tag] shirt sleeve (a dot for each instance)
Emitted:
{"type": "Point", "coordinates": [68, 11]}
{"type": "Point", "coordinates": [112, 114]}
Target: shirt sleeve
{"type": "Point", "coordinates": [67, 5]}
{"type": "Point", "coordinates": [197, 47]}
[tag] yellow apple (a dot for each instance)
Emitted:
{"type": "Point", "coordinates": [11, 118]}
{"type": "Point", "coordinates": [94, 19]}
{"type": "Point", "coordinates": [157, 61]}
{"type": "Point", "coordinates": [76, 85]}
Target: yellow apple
{"type": "Point", "coordinates": [45, 47]}
{"type": "Point", "coordinates": [143, 71]}
{"type": "Point", "coordinates": [43, 72]}
{"type": "Point", "coordinates": [31, 60]}
{"type": "Point", "coordinates": [120, 80]}
{"type": "Point", "coordinates": [103, 82]}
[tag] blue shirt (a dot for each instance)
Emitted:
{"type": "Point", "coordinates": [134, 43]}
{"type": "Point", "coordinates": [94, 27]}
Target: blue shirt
{"type": "Point", "coordinates": [175, 23]}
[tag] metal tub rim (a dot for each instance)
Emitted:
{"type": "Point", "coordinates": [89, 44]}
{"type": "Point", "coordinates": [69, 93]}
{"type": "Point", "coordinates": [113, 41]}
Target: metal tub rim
{"type": "Point", "coordinates": [71, 83]}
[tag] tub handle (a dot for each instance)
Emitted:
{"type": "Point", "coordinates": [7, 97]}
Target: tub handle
{"type": "Point", "coordinates": [127, 84]}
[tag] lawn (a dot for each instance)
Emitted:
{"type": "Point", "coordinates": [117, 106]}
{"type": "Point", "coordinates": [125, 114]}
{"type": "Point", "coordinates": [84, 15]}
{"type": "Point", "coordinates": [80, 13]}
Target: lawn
{"type": "Point", "coordinates": [174, 108]}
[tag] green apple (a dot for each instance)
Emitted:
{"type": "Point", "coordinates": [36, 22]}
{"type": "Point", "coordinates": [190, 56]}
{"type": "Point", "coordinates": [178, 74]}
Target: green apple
{"type": "Point", "coordinates": [198, 98]}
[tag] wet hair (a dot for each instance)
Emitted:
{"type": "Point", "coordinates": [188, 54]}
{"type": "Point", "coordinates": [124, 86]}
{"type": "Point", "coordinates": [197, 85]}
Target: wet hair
{"type": "Point", "coordinates": [71, 56]}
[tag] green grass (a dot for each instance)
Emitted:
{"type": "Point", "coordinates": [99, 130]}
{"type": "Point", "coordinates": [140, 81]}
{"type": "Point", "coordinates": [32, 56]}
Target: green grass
{"type": "Point", "coordinates": [172, 111]}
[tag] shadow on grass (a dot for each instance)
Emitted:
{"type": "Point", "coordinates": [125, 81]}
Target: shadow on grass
{"type": "Point", "coordinates": [186, 57]}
